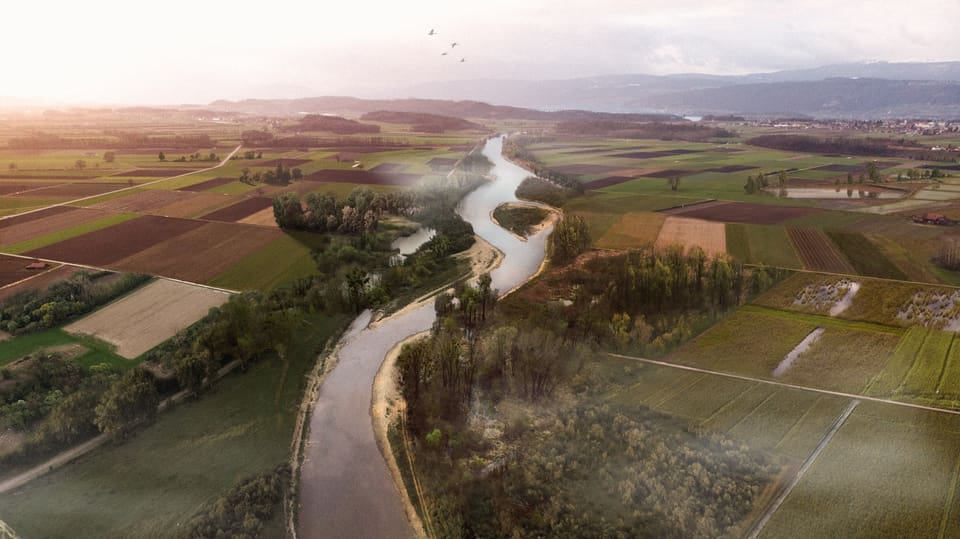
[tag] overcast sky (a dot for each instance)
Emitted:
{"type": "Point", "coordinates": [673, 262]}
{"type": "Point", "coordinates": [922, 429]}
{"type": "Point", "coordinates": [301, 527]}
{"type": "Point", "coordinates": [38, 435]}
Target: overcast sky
{"type": "Point", "coordinates": [189, 51]}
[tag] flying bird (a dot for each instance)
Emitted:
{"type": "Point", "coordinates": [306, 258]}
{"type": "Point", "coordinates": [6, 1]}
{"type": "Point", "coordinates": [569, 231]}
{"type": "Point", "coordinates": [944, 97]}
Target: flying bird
{"type": "Point", "coordinates": [443, 54]}
{"type": "Point", "coordinates": [462, 60]}
{"type": "Point", "coordinates": [431, 32]}
{"type": "Point", "coordinates": [454, 44]}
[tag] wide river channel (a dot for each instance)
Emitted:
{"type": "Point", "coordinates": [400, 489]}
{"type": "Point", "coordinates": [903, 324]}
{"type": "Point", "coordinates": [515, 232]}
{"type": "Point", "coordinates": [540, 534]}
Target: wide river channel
{"type": "Point", "coordinates": [345, 487]}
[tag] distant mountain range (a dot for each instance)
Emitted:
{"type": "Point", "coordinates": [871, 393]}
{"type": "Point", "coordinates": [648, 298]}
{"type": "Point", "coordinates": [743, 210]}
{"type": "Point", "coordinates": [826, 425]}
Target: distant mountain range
{"type": "Point", "coordinates": [861, 90]}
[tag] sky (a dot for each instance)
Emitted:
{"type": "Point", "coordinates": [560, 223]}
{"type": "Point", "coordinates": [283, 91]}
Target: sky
{"type": "Point", "coordinates": [179, 51]}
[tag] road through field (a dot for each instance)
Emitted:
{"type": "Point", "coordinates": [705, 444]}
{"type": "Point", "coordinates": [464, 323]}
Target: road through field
{"type": "Point", "coordinates": [346, 489]}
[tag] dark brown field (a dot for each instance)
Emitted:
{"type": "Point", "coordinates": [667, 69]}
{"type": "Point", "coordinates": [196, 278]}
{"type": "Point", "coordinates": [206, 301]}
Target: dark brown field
{"type": "Point", "coordinates": [209, 184]}
{"type": "Point", "coordinates": [607, 182]}
{"type": "Point", "coordinates": [287, 162]}
{"type": "Point", "coordinates": [15, 269]}
{"type": "Point", "coordinates": [144, 201]}
{"type": "Point", "coordinates": [817, 252]}
{"type": "Point", "coordinates": [742, 212]}
{"type": "Point", "coordinates": [104, 247]}
{"type": "Point", "coordinates": [581, 169]}
{"type": "Point", "coordinates": [653, 154]}
{"type": "Point", "coordinates": [35, 280]}
{"type": "Point", "coordinates": [235, 212]}
{"type": "Point", "coordinates": [200, 254]}
{"type": "Point", "coordinates": [731, 168]}
{"type": "Point", "coordinates": [157, 172]}
{"type": "Point", "coordinates": [362, 177]}
{"type": "Point", "coordinates": [26, 218]}
{"type": "Point", "coordinates": [671, 173]}
{"type": "Point", "coordinates": [390, 168]}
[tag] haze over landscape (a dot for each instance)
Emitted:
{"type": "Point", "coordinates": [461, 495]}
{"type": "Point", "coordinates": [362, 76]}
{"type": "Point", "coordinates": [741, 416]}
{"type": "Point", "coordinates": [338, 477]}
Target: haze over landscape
{"type": "Point", "coordinates": [493, 269]}
{"type": "Point", "coordinates": [189, 52]}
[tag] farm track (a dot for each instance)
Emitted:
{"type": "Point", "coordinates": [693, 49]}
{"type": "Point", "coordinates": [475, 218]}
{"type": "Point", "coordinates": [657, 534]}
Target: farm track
{"type": "Point", "coordinates": [130, 188]}
{"type": "Point", "coordinates": [817, 252]}
{"type": "Point", "coordinates": [803, 469]}
{"type": "Point", "coordinates": [786, 385]}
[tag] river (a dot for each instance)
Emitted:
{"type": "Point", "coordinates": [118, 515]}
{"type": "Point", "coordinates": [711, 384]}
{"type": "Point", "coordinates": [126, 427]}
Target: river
{"type": "Point", "coordinates": [345, 487]}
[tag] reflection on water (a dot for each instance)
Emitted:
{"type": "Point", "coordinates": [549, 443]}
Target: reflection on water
{"type": "Point", "coordinates": [346, 489]}
{"type": "Point", "coordinates": [409, 244]}
{"type": "Point", "coordinates": [833, 193]}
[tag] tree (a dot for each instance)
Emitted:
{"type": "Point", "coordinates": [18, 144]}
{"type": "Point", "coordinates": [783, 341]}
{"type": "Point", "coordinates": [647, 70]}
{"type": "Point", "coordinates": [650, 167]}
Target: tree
{"type": "Point", "coordinates": [80, 164]}
{"type": "Point", "coordinates": [570, 237]}
{"type": "Point", "coordinates": [873, 173]}
{"type": "Point", "coordinates": [674, 183]}
{"type": "Point", "coordinates": [849, 178]}
{"type": "Point", "coordinates": [12, 167]}
{"type": "Point", "coordinates": [288, 211]}
{"type": "Point", "coordinates": [130, 400]}
{"type": "Point", "coordinates": [296, 173]}
{"type": "Point", "coordinates": [109, 157]}
{"type": "Point", "coordinates": [356, 282]}
{"type": "Point", "coordinates": [782, 178]}
{"type": "Point", "coordinates": [161, 156]}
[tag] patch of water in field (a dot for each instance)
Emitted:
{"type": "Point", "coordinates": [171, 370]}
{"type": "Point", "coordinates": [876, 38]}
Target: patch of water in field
{"type": "Point", "coordinates": [833, 193]}
{"type": "Point", "coordinates": [346, 489]}
{"type": "Point", "coordinates": [799, 349]}
{"type": "Point", "coordinates": [846, 300]}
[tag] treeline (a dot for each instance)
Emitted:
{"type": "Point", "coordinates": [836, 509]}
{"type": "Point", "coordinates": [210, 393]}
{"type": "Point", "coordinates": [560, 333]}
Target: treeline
{"type": "Point", "coordinates": [687, 131]}
{"type": "Point", "coordinates": [242, 511]}
{"type": "Point", "coordinates": [255, 138]}
{"type": "Point", "coordinates": [358, 213]}
{"type": "Point", "coordinates": [281, 175]}
{"type": "Point", "coordinates": [333, 124]}
{"type": "Point", "coordinates": [515, 149]}
{"type": "Point", "coordinates": [540, 190]}
{"type": "Point", "coordinates": [83, 292]}
{"type": "Point", "coordinates": [878, 147]}
{"type": "Point", "coordinates": [422, 122]}
{"type": "Point", "coordinates": [112, 139]}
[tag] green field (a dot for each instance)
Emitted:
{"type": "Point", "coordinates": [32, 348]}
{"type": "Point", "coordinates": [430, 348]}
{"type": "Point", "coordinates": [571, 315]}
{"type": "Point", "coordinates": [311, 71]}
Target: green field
{"type": "Point", "coordinates": [280, 262]}
{"type": "Point", "coordinates": [896, 369]}
{"type": "Point", "coordinates": [923, 379]}
{"type": "Point", "coordinates": [880, 476]}
{"type": "Point", "coordinates": [96, 351]}
{"type": "Point", "coordinates": [762, 244]}
{"type": "Point", "coordinates": [865, 257]}
{"type": "Point", "coordinates": [196, 450]}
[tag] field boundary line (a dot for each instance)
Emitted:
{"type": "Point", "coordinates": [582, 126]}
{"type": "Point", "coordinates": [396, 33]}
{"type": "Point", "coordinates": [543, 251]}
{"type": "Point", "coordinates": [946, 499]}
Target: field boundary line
{"type": "Point", "coordinates": [752, 410]}
{"type": "Point", "coordinates": [728, 404]}
{"type": "Point", "coordinates": [98, 268]}
{"type": "Point", "coordinates": [34, 276]}
{"type": "Point", "coordinates": [799, 420]}
{"type": "Point", "coordinates": [906, 375]}
{"type": "Point", "coordinates": [789, 386]}
{"type": "Point", "coordinates": [856, 275]}
{"type": "Point", "coordinates": [946, 361]}
{"type": "Point", "coordinates": [677, 391]}
{"type": "Point", "coordinates": [823, 320]}
{"type": "Point", "coordinates": [6, 532]}
{"type": "Point", "coordinates": [807, 464]}
{"type": "Point", "coordinates": [223, 162]}
{"type": "Point", "coordinates": [945, 518]}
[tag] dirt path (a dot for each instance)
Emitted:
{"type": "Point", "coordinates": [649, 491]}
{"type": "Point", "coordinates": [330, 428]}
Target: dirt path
{"type": "Point", "coordinates": [788, 386]}
{"type": "Point", "coordinates": [803, 469]}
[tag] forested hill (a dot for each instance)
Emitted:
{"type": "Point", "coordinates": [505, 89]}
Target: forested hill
{"type": "Point", "coordinates": [351, 106]}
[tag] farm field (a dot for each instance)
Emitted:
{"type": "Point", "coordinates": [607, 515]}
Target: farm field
{"type": "Point", "coordinates": [148, 316]}
{"type": "Point", "coordinates": [762, 244]}
{"type": "Point", "coordinates": [817, 252]}
{"type": "Point", "coordinates": [85, 350]}
{"type": "Point", "coordinates": [197, 450]}
{"type": "Point", "coordinates": [709, 236]}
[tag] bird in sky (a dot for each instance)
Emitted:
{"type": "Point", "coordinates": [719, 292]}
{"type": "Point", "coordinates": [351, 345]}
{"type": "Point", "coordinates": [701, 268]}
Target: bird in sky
{"type": "Point", "coordinates": [431, 32]}
{"type": "Point", "coordinates": [462, 60]}
{"type": "Point", "coordinates": [454, 44]}
{"type": "Point", "coordinates": [443, 54]}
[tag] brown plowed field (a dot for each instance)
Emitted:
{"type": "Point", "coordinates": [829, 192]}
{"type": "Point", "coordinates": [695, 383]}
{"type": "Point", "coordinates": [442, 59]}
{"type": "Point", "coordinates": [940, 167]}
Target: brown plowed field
{"type": "Point", "coordinates": [817, 252]}
{"type": "Point", "coordinates": [104, 247]}
{"type": "Point", "coordinates": [653, 154]}
{"type": "Point", "coordinates": [397, 167]}
{"type": "Point", "coordinates": [262, 218]}
{"type": "Point", "coordinates": [142, 201]}
{"type": "Point", "coordinates": [244, 208]}
{"type": "Point", "coordinates": [36, 280]}
{"type": "Point", "coordinates": [709, 236]}
{"type": "Point", "coordinates": [362, 177]}
{"type": "Point", "coordinates": [285, 161]}
{"type": "Point", "coordinates": [159, 172]}
{"type": "Point", "coordinates": [194, 205]}
{"type": "Point", "coordinates": [671, 173]}
{"type": "Point", "coordinates": [209, 184]}
{"type": "Point", "coordinates": [148, 316]}
{"type": "Point", "coordinates": [39, 227]}
{"type": "Point", "coordinates": [14, 188]}
{"type": "Point", "coordinates": [607, 182]}
{"type": "Point", "coordinates": [14, 269]}
{"type": "Point", "coordinates": [200, 254]}
{"type": "Point", "coordinates": [26, 218]}
{"type": "Point", "coordinates": [580, 169]}
{"type": "Point", "coordinates": [743, 212]}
